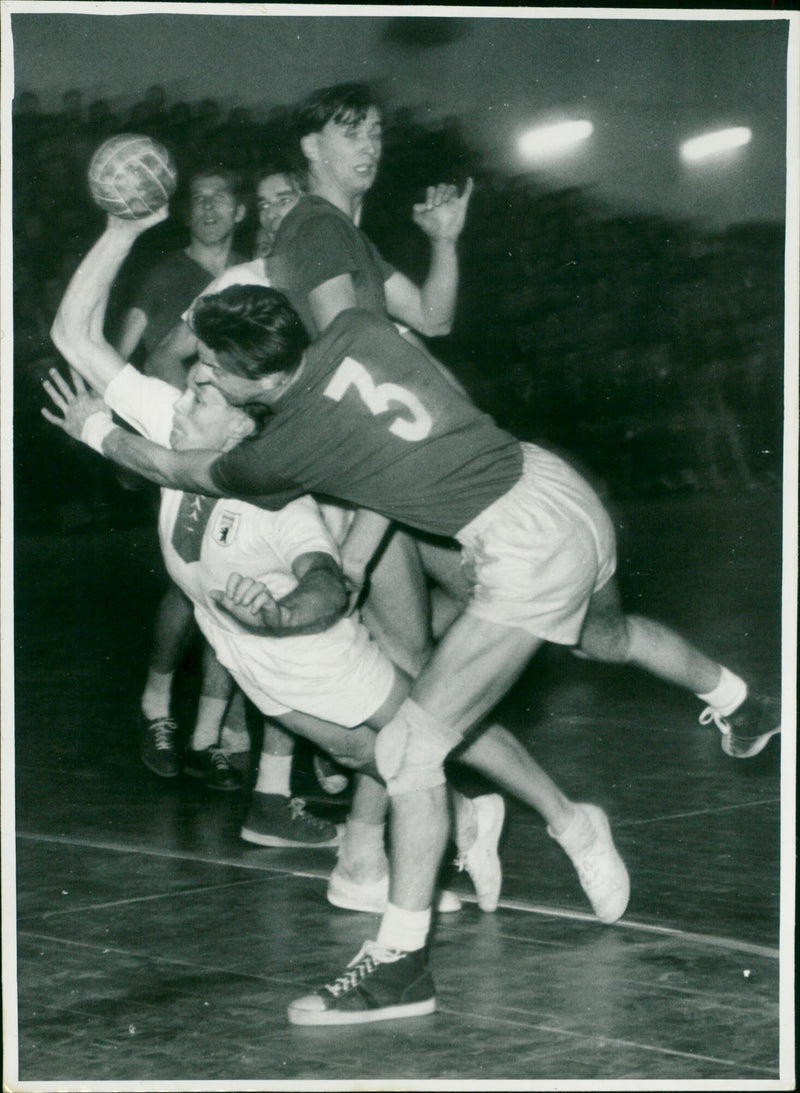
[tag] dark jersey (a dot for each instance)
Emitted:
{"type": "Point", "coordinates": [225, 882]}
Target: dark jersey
{"type": "Point", "coordinates": [370, 420]}
{"type": "Point", "coordinates": [166, 292]}
{"type": "Point", "coordinates": [317, 242]}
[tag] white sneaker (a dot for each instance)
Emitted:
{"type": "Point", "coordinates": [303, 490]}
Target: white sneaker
{"type": "Point", "coordinates": [588, 843]}
{"type": "Point", "coordinates": [481, 860]}
{"type": "Point", "coordinates": [373, 896]}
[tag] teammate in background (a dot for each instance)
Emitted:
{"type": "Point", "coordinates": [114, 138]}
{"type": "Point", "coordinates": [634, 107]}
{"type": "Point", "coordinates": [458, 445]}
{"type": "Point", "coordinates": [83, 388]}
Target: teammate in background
{"type": "Point", "coordinates": [277, 193]}
{"type": "Point", "coordinates": [364, 416]}
{"type": "Point", "coordinates": [215, 208]}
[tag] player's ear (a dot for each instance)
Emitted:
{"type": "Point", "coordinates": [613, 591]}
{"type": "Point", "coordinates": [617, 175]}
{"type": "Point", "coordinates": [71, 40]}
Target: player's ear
{"type": "Point", "coordinates": [309, 145]}
{"type": "Point", "coordinates": [243, 426]}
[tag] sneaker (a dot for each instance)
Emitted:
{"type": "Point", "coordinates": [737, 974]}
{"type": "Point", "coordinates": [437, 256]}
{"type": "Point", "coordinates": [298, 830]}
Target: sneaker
{"type": "Point", "coordinates": [273, 820]}
{"type": "Point", "coordinates": [481, 860]}
{"type": "Point", "coordinates": [588, 843]}
{"type": "Point", "coordinates": [373, 896]}
{"type": "Point", "coordinates": [379, 984]}
{"type": "Point", "coordinates": [747, 730]}
{"type": "Point", "coordinates": [157, 745]}
{"type": "Point", "coordinates": [213, 766]}
{"type": "Point", "coordinates": [331, 777]}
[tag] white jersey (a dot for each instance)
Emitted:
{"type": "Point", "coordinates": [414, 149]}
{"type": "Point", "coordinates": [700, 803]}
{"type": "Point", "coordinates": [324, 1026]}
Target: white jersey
{"type": "Point", "coordinates": [339, 675]}
{"type": "Point", "coordinates": [246, 273]}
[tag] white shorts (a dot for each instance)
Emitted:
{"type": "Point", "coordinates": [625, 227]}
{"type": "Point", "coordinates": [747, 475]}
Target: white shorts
{"type": "Point", "coordinates": [337, 519]}
{"type": "Point", "coordinates": [539, 552]}
{"type": "Point", "coordinates": [340, 675]}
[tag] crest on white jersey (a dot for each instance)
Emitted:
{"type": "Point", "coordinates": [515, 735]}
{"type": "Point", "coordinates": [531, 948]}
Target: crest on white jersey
{"type": "Point", "coordinates": [225, 528]}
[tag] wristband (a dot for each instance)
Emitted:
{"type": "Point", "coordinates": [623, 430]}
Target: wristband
{"type": "Point", "coordinates": [96, 428]}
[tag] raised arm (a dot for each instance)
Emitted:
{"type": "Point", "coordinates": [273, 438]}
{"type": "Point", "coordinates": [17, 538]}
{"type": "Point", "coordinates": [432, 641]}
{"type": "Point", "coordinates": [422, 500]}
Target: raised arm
{"type": "Point", "coordinates": [86, 418]}
{"type": "Point", "coordinates": [430, 309]}
{"type": "Point", "coordinates": [77, 330]}
{"type": "Point", "coordinates": [314, 605]}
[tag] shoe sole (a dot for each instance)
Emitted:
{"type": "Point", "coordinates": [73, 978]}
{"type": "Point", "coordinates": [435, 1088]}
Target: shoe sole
{"type": "Point", "coordinates": [160, 773]}
{"type": "Point", "coordinates": [360, 1017]}
{"type": "Point", "coordinates": [256, 837]}
{"type": "Point", "coordinates": [337, 899]}
{"type": "Point", "coordinates": [755, 748]}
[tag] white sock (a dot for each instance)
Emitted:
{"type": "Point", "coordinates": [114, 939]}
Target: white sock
{"type": "Point", "coordinates": [210, 712]}
{"type": "Point", "coordinates": [728, 695]}
{"type": "Point", "coordinates": [157, 694]}
{"type": "Point", "coordinates": [403, 930]}
{"type": "Point", "coordinates": [274, 775]}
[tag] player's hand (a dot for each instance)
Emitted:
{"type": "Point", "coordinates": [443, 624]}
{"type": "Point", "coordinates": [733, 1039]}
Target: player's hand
{"type": "Point", "coordinates": [76, 405]}
{"type": "Point", "coordinates": [134, 228]}
{"type": "Point", "coordinates": [249, 602]}
{"type": "Point", "coordinates": [441, 215]}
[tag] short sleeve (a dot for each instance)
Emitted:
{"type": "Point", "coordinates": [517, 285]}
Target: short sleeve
{"type": "Point", "coordinates": [300, 530]}
{"type": "Point", "coordinates": [145, 402]}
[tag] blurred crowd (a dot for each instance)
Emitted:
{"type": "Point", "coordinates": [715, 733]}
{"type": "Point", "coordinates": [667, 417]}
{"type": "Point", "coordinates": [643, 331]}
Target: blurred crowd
{"type": "Point", "coordinates": [650, 349]}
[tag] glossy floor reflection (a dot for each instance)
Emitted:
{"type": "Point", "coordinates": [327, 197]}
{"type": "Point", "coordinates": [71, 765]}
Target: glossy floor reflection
{"type": "Point", "coordinates": [154, 945]}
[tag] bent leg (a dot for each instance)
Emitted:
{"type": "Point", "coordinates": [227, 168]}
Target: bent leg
{"type": "Point", "coordinates": [609, 635]}
{"type": "Point", "coordinates": [397, 609]}
{"type": "Point", "coordinates": [173, 627]}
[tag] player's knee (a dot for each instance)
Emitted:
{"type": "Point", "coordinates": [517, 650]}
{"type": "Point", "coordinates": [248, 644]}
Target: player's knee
{"type": "Point", "coordinates": [410, 751]}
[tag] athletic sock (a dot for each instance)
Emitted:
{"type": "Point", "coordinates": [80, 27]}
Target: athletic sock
{"type": "Point", "coordinates": [402, 930]}
{"type": "Point", "coordinates": [210, 712]}
{"type": "Point", "coordinates": [274, 775]}
{"type": "Point", "coordinates": [728, 695]}
{"type": "Point", "coordinates": [157, 694]}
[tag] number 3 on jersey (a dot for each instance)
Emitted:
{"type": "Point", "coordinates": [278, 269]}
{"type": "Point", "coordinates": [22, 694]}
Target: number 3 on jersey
{"type": "Point", "coordinates": [377, 398]}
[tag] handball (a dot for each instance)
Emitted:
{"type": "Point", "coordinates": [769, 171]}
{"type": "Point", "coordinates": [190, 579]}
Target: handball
{"type": "Point", "coordinates": [131, 176]}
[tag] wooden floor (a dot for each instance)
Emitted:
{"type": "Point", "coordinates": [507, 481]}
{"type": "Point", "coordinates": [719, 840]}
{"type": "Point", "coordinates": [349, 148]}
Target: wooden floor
{"type": "Point", "coordinates": [154, 945]}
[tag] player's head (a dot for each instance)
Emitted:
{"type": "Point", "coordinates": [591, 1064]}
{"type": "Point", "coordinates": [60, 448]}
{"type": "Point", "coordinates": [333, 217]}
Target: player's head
{"type": "Point", "coordinates": [340, 135]}
{"type": "Point", "coordinates": [249, 336]}
{"type": "Point", "coordinates": [203, 418]}
{"type": "Point", "coordinates": [277, 192]}
{"type": "Point", "coordinates": [215, 205]}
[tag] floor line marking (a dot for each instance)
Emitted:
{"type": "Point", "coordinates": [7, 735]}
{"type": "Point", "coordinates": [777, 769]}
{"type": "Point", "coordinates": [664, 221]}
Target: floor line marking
{"type": "Point", "coordinates": [195, 890]}
{"type": "Point", "coordinates": [461, 1014]}
{"type": "Point", "coordinates": [606, 1040]}
{"type": "Point", "coordinates": [696, 812]}
{"type": "Point", "coordinates": [522, 906]}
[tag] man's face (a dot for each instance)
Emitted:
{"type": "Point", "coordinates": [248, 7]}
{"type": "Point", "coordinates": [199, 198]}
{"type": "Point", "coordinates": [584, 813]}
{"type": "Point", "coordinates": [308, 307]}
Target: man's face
{"type": "Point", "coordinates": [203, 418]}
{"type": "Point", "coordinates": [213, 210]}
{"type": "Point", "coordinates": [276, 196]}
{"type": "Point", "coordinates": [349, 152]}
{"type": "Point", "coordinates": [237, 390]}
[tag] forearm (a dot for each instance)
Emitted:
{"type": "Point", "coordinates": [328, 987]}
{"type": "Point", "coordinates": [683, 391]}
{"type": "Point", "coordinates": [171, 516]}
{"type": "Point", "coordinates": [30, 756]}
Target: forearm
{"type": "Point", "coordinates": [77, 329]}
{"type": "Point", "coordinates": [313, 606]}
{"type": "Point", "coordinates": [439, 292]}
{"type": "Point", "coordinates": [189, 471]}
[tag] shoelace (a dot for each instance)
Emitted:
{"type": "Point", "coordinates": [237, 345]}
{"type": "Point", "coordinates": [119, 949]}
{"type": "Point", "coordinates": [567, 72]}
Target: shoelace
{"type": "Point", "coordinates": [710, 714]}
{"type": "Point", "coordinates": [298, 807]}
{"type": "Point", "coordinates": [363, 964]}
{"type": "Point", "coordinates": [219, 759]}
{"type": "Point", "coordinates": [163, 731]}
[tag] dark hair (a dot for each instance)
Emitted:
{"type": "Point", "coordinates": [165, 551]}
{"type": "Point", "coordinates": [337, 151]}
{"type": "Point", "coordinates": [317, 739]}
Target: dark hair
{"type": "Point", "coordinates": [231, 178]}
{"type": "Point", "coordinates": [275, 167]}
{"type": "Point", "coordinates": [254, 330]}
{"type": "Point", "coordinates": [344, 103]}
